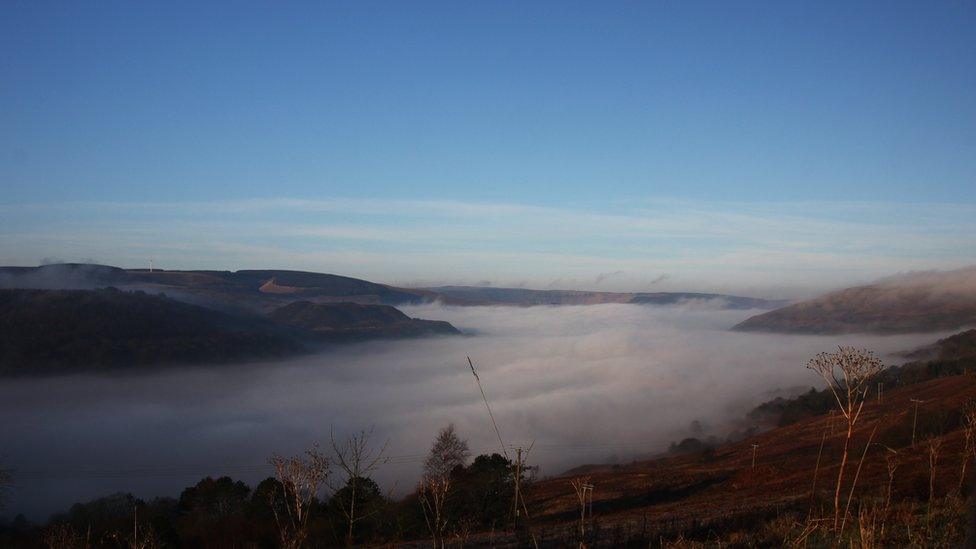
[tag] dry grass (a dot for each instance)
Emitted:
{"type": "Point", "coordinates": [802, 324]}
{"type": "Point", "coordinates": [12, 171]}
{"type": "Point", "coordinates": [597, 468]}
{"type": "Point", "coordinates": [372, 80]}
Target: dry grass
{"type": "Point", "coordinates": [699, 492]}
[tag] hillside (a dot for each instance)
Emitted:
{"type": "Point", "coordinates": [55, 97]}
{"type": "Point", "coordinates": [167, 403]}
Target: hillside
{"type": "Point", "coordinates": [955, 347]}
{"type": "Point", "coordinates": [246, 290]}
{"type": "Point", "coordinates": [268, 289]}
{"type": "Point", "coordinates": [700, 494]}
{"type": "Point", "coordinates": [46, 331]}
{"type": "Point", "coordinates": [951, 356]}
{"type": "Point", "coordinates": [716, 494]}
{"type": "Point", "coordinates": [49, 331]}
{"type": "Point", "coordinates": [920, 302]}
{"type": "Point", "coordinates": [355, 322]}
{"type": "Point", "coordinates": [487, 295]}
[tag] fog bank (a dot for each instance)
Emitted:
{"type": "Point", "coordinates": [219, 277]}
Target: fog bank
{"type": "Point", "coordinates": [585, 384]}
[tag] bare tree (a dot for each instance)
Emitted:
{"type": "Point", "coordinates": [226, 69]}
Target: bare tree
{"type": "Point", "coordinates": [448, 452]}
{"type": "Point", "coordinates": [356, 459]}
{"type": "Point", "coordinates": [300, 479]}
{"type": "Point", "coordinates": [857, 368]}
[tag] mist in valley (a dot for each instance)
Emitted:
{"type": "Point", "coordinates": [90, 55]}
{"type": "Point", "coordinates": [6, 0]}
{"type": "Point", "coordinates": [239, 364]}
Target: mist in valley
{"type": "Point", "coordinates": [584, 384]}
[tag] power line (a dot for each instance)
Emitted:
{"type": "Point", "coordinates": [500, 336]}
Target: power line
{"type": "Point", "coordinates": [192, 470]}
{"type": "Point", "coordinates": [490, 415]}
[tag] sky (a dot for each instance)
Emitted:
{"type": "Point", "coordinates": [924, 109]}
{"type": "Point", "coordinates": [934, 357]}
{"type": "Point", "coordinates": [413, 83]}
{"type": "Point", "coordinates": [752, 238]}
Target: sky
{"type": "Point", "coordinates": [765, 148]}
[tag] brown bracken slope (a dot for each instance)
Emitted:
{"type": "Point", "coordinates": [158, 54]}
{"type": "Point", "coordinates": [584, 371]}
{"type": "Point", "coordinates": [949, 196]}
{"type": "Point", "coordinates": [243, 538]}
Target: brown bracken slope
{"type": "Point", "coordinates": [713, 490]}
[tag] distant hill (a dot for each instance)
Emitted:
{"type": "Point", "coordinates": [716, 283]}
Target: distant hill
{"type": "Point", "coordinates": [955, 347]}
{"type": "Point", "coordinates": [246, 290]}
{"type": "Point", "coordinates": [268, 289]}
{"type": "Point", "coordinates": [917, 302]}
{"type": "Point", "coordinates": [52, 331]}
{"type": "Point", "coordinates": [354, 322]}
{"type": "Point", "coordinates": [486, 295]}
{"type": "Point", "coordinates": [44, 331]}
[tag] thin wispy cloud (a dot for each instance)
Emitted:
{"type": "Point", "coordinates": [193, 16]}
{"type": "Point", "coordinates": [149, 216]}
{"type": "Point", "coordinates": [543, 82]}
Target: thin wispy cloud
{"type": "Point", "coordinates": [799, 247]}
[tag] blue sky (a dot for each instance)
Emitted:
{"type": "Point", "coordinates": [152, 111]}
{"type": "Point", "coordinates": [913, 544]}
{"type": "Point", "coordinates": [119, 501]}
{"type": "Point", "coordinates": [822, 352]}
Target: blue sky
{"type": "Point", "coordinates": [212, 134]}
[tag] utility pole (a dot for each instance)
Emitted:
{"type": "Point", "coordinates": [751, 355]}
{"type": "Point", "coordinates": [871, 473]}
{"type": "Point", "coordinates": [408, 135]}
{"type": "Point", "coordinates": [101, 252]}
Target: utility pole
{"type": "Point", "coordinates": [916, 402]}
{"type": "Point", "coordinates": [880, 390]}
{"type": "Point", "coordinates": [755, 446]}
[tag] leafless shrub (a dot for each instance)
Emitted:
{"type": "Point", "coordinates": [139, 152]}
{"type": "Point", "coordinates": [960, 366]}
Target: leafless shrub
{"type": "Point", "coordinates": [300, 479]}
{"type": "Point", "coordinates": [463, 530]}
{"type": "Point", "coordinates": [870, 526]}
{"type": "Point", "coordinates": [356, 459]}
{"type": "Point", "coordinates": [139, 538]}
{"type": "Point", "coordinates": [433, 496]}
{"type": "Point", "coordinates": [857, 368]}
{"type": "Point", "coordinates": [802, 530]}
{"type": "Point", "coordinates": [891, 464]}
{"type": "Point", "coordinates": [62, 536]}
{"type": "Point", "coordinates": [969, 438]}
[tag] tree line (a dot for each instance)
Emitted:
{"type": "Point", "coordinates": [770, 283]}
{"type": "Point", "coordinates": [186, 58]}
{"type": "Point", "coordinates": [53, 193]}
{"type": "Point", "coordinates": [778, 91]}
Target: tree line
{"type": "Point", "coordinates": [319, 498]}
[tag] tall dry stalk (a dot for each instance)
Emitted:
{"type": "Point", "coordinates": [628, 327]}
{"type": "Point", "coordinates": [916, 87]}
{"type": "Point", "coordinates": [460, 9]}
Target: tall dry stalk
{"type": "Point", "coordinates": [299, 480]}
{"type": "Point", "coordinates": [891, 463]}
{"type": "Point", "coordinates": [933, 446]}
{"type": "Point", "coordinates": [582, 487]}
{"type": "Point", "coordinates": [857, 474]}
{"type": "Point", "coordinates": [816, 471]}
{"type": "Point", "coordinates": [857, 367]}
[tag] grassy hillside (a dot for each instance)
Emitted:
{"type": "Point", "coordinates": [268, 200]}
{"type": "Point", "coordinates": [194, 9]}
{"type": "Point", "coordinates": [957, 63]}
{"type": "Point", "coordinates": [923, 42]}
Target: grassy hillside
{"type": "Point", "coordinates": [951, 356]}
{"type": "Point", "coordinates": [718, 495]}
{"type": "Point", "coordinates": [924, 302]}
